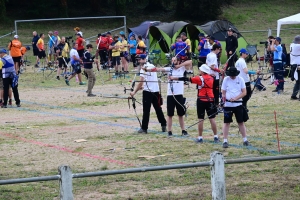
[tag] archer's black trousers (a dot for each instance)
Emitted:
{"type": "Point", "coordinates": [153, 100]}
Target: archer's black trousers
{"type": "Point", "coordinates": [6, 83]}
{"type": "Point", "coordinates": [148, 99]}
{"type": "Point", "coordinates": [248, 95]}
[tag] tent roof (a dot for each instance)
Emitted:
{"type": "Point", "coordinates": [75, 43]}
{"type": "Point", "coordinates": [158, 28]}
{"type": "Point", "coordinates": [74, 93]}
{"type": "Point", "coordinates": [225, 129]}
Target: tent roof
{"type": "Point", "coordinates": [171, 28]}
{"type": "Point", "coordinates": [213, 27]}
{"type": "Point", "coordinates": [294, 19]}
{"type": "Point", "coordinates": [142, 29]}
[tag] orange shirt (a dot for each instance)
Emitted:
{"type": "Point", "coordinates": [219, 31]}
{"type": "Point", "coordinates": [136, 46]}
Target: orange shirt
{"type": "Point", "coordinates": [15, 48]}
{"type": "Point", "coordinates": [40, 44]}
{"type": "Point", "coordinates": [23, 50]}
{"type": "Point", "coordinates": [205, 87]}
{"type": "Point", "coordinates": [79, 41]}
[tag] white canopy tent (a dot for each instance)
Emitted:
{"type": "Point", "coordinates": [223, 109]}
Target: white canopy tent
{"type": "Point", "coordinates": [294, 19]}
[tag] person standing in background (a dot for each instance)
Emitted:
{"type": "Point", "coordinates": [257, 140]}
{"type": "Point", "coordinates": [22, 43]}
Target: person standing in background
{"type": "Point", "coordinates": [34, 47]}
{"type": "Point", "coordinates": [15, 51]}
{"type": "Point", "coordinates": [231, 46]}
{"type": "Point", "coordinates": [132, 44]}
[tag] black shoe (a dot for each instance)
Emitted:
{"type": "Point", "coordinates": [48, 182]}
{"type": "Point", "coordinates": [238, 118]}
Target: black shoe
{"type": "Point", "coordinates": [216, 140]}
{"type": "Point", "coordinates": [225, 145]}
{"type": "Point", "coordinates": [200, 141]}
{"type": "Point", "coordinates": [18, 105]}
{"type": "Point", "coordinates": [4, 106]}
{"type": "Point", "coordinates": [142, 131]}
{"type": "Point", "coordinates": [57, 78]}
{"type": "Point", "coordinates": [163, 128]}
{"type": "Point", "coordinates": [294, 98]}
{"type": "Point", "coordinates": [185, 133]}
{"type": "Point", "coordinates": [170, 134]}
{"type": "Point", "coordinates": [91, 95]}
{"type": "Point", "coordinates": [246, 143]}
{"type": "Point", "coordinates": [274, 90]}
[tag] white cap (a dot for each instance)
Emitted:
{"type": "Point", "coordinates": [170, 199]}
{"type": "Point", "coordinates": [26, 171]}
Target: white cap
{"type": "Point", "coordinates": [205, 68]}
{"type": "Point", "coordinates": [16, 36]}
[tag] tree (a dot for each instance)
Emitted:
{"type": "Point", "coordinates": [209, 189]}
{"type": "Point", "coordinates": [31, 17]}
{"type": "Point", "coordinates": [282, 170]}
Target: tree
{"type": "Point", "coordinates": [63, 6]}
{"type": "Point", "coordinates": [2, 10]}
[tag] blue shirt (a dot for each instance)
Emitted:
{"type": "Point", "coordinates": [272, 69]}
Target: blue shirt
{"type": "Point", "coordinates": [179, 46]}
{"type": "Point", "coordinates": [8, 66]}
{"type": "Point", "coordinates": [203, 51]}
{"type": "Point", "coordinates": [51, 41]}
{"type": "Point", "coordinates": [132, 50]}
{"type": "Point", "coordinates": [277, 54]}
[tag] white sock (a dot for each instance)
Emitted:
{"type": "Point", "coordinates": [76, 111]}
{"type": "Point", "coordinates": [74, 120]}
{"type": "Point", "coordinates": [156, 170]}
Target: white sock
{"type": "Point", "coordinates": [225, 140]}
{"type": "Point", "coordinates": [200, 137]}
{"type": "Point", "coordinates": [245, 139]}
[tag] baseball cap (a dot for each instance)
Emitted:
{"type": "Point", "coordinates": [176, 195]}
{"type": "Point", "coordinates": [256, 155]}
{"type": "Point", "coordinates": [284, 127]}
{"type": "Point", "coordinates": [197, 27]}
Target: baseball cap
{"type": "Point", "coordinates": [122, 33]}
{"type": "Point", "coordinates": [201, 35]}
{"type": "Point", "coordinates": [76, 29]}
{"type": "Point", "coordinates": [109, 33]}
{"type": "Point", "coordinates": [79, 33]}
{"type": "Point", "coordinates": [230, 29]}
{"type": "Point", "coordinates": [3, 51]}
{"type": "Point", "coordinates": [278, 39]}
{"type": "Point", "coordinates": [56, 32]}
{"type": "Point", "coordinates": [183, 33]}
{"type": "Point", "coordinates": [16, 36]}
{"type": "Point", "coordinates": [243, 50]}
{"type": "Point", "coordinates": [143, 56]}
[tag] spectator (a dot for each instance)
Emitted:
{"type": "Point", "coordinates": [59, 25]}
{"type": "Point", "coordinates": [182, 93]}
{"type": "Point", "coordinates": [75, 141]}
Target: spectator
{"type": "Point", "coordinates": [187, 51]}
{"type": "Point", "coordinates": [211, 42]}
{"type": "Point", "coordinates": [34, 47]}
{"type": "Point", "coordinates": [132, 50]}
{"type": "Point", "coordinates": [124, 53]}
{"type": "Point", "coordinates": [231, 46]}
{"type": "Point", "coordinates": [277, 64]}
{"type": "Point", "coordinates": [62, 50]}
{"type": "Point", "coordinates": [88, 68]}
{"type": "Point", "coordinates": [141, 47]}
{"type": "Point", "coordinates": [41, 47]}
{"type": "Point", "coordinates": [295, 65]}
{"type": "Point", "coordinates": [51, 45]}
{"type": "Point", "coordinates": [203, 49]}
{"type": "Point", "coordinates": [102, 48]}
{"type": "Point", "coordinates": [116, 50]}
{"type": "Point", "coordinates": [15, 51]}
{"type": "Point", "coordinates": [9, 78]}
{"type": "Point", "coordinates": [233, 90]}
{"type": "Point", "coordinates": [80, 44]}
{"type": "Point", "coordinates": [110, 40]}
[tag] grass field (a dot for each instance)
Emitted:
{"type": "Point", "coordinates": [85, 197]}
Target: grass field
{"type": "Point", "coordinates": [38, 137]}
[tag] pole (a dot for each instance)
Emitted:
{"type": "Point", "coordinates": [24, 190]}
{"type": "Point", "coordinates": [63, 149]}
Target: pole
{"type": "Point", "coordinates": [218, 176]}
{"type": "Point", "coordinates": [16, 29]}
{"type": "Point", "coordinates": [65, 182]}
{"type": "Point", "coordinates": [125, 25]}
{"type": "Point", "coordinates": [278, 142]}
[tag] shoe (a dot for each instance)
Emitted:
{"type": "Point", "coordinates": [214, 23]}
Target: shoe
{"type": "Point", "coordinates": [82, 83]}
{"type": "Point", "coordinates": [294, 98]}
{"type": "Point", "coordinates": [184, 133]}
{"type": "Point", "coordinates": [10, 102]}
{"type": "Point", "coordinates": [3, 106]}
{"type": "Point", "coordinates": [170, 134]}
{"type": "Point", "coordinates": [246, 143]}
{"type": "Point", "coordinates": [225, 145]}
{"type": "Point", "coordinates": [36, 66]}
{"type": "Point", "coordinates": [200, 141]}
{"type": "Point", "coordinates": [57, 78]}
{"type": "Point", "coordinates": [186, 83]}
{"type": "Point", "coordinates": [216, 140]}
{"type": "Point", "coordinates": [163, 128]}
{"type": "Point", "coordinates": [18, 105]}
{"type": "Point", "coordinates": [142, 131]}
{"type": "Point", "coordinates": [1, 103]}
{"type": "Point", "coordinates": [67, 82]}
{"type": "Point", "coordinates": [91, 95]}
{"type": "Point", "coordinates": [274, 90]}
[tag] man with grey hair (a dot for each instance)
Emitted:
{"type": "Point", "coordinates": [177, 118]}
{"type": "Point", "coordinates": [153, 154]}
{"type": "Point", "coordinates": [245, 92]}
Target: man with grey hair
{"type": "Point", "coordinates": [51, 45]}
{"type": "Point", "coordinates": [295, 66]}
{"type": "Point", "coordinates": [34, 47]}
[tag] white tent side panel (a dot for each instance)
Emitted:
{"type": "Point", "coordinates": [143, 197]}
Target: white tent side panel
{"type": "Point", "coordinates": [294, 19]}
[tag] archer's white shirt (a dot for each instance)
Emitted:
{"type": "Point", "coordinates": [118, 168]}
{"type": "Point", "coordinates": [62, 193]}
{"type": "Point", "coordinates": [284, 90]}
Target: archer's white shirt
{"type": "Point", "coordinates": [233, 88]}
{"type": "Point", "coordinates": [241, 65]}
{"type": "Point", "coordinates": [212, 59]}
{"type": "Point", "coordinates": [295, 54]}
{"type": "Point", "coordinates": [150, 76]}
{"type": "Point", "coordinates": [178, 86]}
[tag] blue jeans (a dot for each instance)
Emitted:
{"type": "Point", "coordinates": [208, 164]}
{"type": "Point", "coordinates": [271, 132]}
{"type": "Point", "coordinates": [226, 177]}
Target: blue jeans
{"type": "Point", "coordinates": [279, 73]}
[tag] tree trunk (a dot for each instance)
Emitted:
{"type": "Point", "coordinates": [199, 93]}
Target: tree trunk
{"type": "Point", "coordinates": [2, 10]}
{"type": "Point", "coordinates": [63, 8]}
{"type": "Point", "coordinates": [154, 5]}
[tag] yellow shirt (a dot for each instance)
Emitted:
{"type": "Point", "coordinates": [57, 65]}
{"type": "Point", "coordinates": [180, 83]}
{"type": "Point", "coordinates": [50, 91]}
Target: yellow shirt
{"type": "Point", "coordinates": [116, 51]}
{"type": "Point", "coordinates": [124, 44]}
{"type": "Point", "coordinates": [1, 65]}
{"type": "Point", "coordinates": [65, 51]}
{"type": "Point", "coordinates": [40, 44]}
{"type": "Point", "coordinates": [188, 42]}
{"type": "Point", "coordinates": [141, 44]}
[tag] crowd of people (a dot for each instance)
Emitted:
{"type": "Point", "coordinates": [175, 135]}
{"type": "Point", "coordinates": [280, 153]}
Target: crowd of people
{"type": "Point", "coordinates": [115, 53]}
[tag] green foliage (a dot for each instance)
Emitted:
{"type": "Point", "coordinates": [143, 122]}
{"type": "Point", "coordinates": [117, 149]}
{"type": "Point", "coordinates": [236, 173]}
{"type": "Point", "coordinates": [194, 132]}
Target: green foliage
{"type": "Point", "coordinates": [2, 10]}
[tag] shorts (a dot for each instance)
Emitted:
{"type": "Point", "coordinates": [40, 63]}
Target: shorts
{"type": "Point", "coordinates": [35, 52]}
{"type": "Point", "coordinates": [209, 107]}
{"type": "Point", "coordinates": [80, 53]}
{"type": "Point", "coordinates": [116, 60]}
{"type": "Point", "coordinates": [17, 59]}
{"type": "Point", "coordinates": [121, 54]}
{"type": "Point", "coordinates": [172, 103]}
{"type": "Point", "coordinates": [202, 60]}
{"type": "Point", "coordinates": [62, 63]}
{"type": "Point", "coordinates": [76, 68]}
{"type": "Point", "coordinates": [110, 54]}
{"type": "Point", "coordinates": [51, 51]}
{"type": "Point", "coordinates": [42, 54]}
{"type": "Point", "coordinates": [240, 113]}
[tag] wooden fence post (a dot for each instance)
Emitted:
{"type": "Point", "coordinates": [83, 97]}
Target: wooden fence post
{"type": "Point", "coordinates": [218, 176]}
{"type": "Point", "coordinates": [65, 182]}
